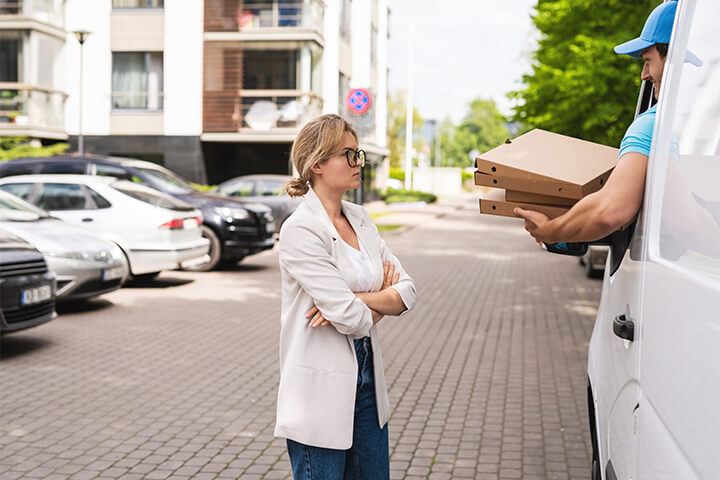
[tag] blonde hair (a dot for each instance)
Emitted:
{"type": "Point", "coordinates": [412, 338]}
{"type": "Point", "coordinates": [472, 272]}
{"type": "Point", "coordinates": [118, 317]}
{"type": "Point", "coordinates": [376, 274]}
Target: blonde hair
{"type": "Point", "coordinates": [316, 142]}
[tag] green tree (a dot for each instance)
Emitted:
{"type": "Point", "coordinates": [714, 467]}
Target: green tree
{"type": "Point", "coordinates": [578, 85]}
{"type": "Point", "coordinates": [482, 128]}
{"type": "Point", "coordinates": [18, 147]}
{"type": "Point", "coordinates": [396, 127]}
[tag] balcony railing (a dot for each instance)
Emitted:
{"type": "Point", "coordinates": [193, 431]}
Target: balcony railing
{"type": "Point", "coordinates": [30, 106]}
{"type": "Point", "coordinates": [259, 110]}
{"type": "Point", "coordinates": [46, 11]}
{"type": "Point", "coordinates": [239, 15]}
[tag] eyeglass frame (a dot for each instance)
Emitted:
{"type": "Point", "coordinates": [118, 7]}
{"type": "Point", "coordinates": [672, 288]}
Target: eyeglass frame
{"type": "Point", "coordinates": [356, 154]}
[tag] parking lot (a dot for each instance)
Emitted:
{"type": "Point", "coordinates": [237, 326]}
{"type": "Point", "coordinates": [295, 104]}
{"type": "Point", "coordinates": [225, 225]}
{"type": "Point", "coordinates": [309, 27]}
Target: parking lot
{"type": "Point", "coordinates": [176, 378]}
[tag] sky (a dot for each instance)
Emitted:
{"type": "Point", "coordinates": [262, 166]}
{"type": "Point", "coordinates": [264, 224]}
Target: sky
{"type": "Point", "coordinates": [463, 49]}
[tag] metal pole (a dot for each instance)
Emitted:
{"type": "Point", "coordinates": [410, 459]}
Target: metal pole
{"type": "Point", "coordinates": [81, 147]}
{"type": "Point", "coordinates": [409, 113]}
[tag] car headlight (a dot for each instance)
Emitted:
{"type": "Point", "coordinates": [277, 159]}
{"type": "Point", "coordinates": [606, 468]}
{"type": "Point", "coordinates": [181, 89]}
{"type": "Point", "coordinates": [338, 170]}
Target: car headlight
{"type": "Point", "coordinates": [232, 213]}
{"type": "Point", "coordinates": [102, 256]}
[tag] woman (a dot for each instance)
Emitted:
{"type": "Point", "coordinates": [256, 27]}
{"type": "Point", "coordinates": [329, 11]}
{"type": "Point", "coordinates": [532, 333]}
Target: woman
{"type": "Point", "coordinates": [338, 281]}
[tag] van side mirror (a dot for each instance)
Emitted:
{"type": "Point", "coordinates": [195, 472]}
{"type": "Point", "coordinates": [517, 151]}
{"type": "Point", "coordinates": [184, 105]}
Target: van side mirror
{"type": "Point", "coordinates": [576, 249]}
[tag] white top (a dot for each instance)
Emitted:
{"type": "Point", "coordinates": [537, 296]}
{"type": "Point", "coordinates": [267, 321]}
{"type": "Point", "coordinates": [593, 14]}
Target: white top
{"type": "Point", "coordinates": [363, 265]}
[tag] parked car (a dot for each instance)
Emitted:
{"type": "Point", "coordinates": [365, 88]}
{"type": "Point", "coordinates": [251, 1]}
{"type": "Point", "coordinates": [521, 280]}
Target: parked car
{"type": "Point", "coordinates": [264, 189]}
{"type": "Point", "coordinates": [27, 286]}
{"type": "Point", "coordinates": [594, 260]}
{"type": "Point", "coordinates": [85, 264]}
{"type": "Point", "coordinates": [155, 231]}
{"type": "Point", "coordinates": [234, 228]}
{"type": "Point", "coordinates": [653, 364]}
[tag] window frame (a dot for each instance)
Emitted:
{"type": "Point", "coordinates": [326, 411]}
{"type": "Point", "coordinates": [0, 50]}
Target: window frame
{"type": "Point", "coordinates": [147, 6]}
{"type": "Point", "coordinates": [161, 91]}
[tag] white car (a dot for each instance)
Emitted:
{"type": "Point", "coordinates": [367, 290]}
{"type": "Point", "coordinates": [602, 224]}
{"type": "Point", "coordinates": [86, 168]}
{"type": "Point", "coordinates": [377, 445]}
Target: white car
{"type": "Point", "coordinates": [155, 231]}
{"type": "Point", "coordinates": [84, 263]}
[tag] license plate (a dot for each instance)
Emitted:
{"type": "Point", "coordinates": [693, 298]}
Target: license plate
{"type": "Point", "coordinates": [190, 223]}
{"type": "Point", "coordinates": [36, 295]}
{"type": "Point", "coordinates": [112, 273]}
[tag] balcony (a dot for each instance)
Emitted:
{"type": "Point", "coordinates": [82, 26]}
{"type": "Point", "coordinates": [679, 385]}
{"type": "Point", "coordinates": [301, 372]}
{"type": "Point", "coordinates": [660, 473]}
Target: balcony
{"type": "Point", "coordinates": [29, 110]}
{"type": "Point", "coordinates": [264, 20]}
{"type": "Point", "coordinates": [33, 14]}
{"type": "Point", "coordinates": [258, 115]}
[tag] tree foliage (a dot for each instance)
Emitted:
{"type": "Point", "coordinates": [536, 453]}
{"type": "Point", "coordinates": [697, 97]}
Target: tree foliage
{"type": "Point", "coordinates": [482, 128]}
{"type": "Point", "coordinates": [578, 85]}
{"type": "Point", "coordinates": [396, 127]}
{"type": "Point", "coordinates": [18, 147]}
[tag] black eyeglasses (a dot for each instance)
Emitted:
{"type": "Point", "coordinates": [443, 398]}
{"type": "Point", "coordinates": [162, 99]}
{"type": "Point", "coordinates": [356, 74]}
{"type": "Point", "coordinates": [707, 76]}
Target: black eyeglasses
{"type": "Point", "coordinates": [355, 157]}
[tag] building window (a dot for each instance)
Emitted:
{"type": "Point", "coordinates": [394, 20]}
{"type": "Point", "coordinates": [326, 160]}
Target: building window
{"type": "Point", "coordinates": [345, 19]}
{"type": "Point", "coordinates": [137, 3]}
{"type": "Point", "coordinates": [137, 81]}
{"type": "Point", "coordinates": [10, 48]}
{"type": "Point", "coordinates": [270, 69]}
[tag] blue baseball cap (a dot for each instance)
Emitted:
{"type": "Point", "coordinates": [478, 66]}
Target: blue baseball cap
{"type": "Point", "coordinates": [657, 29]}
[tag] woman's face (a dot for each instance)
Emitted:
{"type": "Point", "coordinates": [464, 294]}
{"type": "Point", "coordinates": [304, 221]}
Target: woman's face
{"type": "Point", "coordinates": [335, 173]}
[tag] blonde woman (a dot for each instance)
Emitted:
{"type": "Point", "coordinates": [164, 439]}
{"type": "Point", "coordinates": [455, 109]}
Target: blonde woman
{"type": "Point", "coordinates": [339, 279]}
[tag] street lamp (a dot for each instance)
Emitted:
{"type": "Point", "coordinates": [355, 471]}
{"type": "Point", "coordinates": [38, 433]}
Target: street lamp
{"type": "Point", "coordinates": [81, 35]}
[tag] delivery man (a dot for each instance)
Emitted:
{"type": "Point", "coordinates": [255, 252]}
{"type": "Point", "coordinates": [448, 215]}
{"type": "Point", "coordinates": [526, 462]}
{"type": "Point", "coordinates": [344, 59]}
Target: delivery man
{"type": "Point", "coordinates": [605, 211]}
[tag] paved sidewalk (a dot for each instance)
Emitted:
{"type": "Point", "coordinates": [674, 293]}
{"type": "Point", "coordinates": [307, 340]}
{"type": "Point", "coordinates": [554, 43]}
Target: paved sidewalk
{"type": "Point", "coordinates": [177, 378]}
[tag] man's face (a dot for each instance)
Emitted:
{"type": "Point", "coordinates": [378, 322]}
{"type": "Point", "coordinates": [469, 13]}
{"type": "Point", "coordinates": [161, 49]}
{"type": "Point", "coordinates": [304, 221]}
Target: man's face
{"type": "Point", "coordinates": [653, 67]}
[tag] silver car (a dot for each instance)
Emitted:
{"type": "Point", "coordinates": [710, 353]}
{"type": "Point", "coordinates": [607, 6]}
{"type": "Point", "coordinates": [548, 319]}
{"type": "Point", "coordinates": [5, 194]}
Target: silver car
{"type": "Point", "coordinates": [84, 264]}
{"type": "Point", "coordinates": [263, 189]}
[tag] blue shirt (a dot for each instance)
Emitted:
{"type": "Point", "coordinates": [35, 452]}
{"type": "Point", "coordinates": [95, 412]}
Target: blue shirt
{"type": "Point", "coordinates": [638, 136]}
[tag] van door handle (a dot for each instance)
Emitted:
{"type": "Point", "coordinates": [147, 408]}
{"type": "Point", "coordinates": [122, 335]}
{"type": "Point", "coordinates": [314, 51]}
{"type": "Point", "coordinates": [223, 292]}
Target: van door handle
{"type": "Point", "coordinates": [86, 219]}
{"type": "Point", "coordinates": [624, 328]}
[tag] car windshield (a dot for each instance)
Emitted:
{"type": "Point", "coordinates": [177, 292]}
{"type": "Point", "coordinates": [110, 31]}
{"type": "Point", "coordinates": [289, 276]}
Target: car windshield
{"type": "Point", "coordinates": [167, 181]}
{"type": "Point", "coordinates": [17, 210]}
{"type": "Point", "coordinates": [148, 195]}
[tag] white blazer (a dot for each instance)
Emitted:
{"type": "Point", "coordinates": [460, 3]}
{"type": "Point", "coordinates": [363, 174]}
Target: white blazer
{"type": "Point", "coordinates": [318, 366]}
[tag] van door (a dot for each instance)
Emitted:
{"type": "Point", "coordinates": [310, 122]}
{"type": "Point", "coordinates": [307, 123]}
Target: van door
{"type": "Point", "coordinates": [679, 419]}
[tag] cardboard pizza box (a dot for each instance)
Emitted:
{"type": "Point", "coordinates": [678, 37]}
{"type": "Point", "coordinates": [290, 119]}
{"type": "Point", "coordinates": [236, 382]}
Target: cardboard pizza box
{"type": "Point", "coordinates": [547, 163]}
{"type": "Point", "coordinates": [494, 203]}
{"type": "Point", "coordinates": [516, 196]}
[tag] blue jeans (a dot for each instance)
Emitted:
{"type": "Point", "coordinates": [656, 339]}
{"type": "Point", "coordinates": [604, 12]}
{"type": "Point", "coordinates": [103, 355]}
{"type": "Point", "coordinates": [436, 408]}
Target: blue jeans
{"type": "Point", "coordinates": [369, 457]}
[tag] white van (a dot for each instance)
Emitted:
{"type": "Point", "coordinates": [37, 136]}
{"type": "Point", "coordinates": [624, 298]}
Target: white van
{"type": "Point", "coordinates": [654, 357]}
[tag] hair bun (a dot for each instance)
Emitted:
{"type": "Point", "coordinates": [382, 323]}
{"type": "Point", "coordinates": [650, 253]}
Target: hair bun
{"type": "Point", "coordinates": [296, 187]}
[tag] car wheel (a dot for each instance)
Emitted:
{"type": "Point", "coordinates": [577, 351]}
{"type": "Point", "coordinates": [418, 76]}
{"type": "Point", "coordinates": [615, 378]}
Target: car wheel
{"type": "Point", "coordinates": [215, 251]}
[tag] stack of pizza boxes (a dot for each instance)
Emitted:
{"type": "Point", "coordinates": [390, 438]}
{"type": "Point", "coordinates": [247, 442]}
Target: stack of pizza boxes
{"type": "Point", "coordinates": [542, 171]}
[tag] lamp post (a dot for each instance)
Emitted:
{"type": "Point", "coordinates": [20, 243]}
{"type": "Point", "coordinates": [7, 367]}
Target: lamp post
{"type": "Point", "coordinates": [81, 35]}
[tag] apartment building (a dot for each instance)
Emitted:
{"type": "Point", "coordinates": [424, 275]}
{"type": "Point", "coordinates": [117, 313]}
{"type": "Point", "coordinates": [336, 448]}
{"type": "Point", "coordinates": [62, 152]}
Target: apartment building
{"type": "Point", "coordinates": [32, 69]}
{"type": "Point", "coordinates": [215, 88]}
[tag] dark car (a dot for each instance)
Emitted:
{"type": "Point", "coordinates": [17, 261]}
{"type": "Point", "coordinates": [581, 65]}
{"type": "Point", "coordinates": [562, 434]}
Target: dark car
{"type": "Point", "coordinates": [27, 287]}
{"type": "Point", "coordinates": [264, 189]}
{"type": "Point", "coordinates": [234, 228]}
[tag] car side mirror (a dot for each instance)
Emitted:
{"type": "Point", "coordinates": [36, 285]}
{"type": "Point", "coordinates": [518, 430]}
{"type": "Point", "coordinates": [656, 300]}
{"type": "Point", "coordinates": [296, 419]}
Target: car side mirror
{"type": "Point", "coordinates": [576, 249]}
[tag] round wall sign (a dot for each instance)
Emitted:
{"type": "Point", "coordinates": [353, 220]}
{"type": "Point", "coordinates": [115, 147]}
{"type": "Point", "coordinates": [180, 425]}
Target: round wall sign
{"type": "Point", "coordinates": [358, 100]}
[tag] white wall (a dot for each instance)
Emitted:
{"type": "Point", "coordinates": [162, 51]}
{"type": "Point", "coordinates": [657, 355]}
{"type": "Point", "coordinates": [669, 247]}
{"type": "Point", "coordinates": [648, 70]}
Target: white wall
{"type": "Point", "coordinates": [381, 95]}
{"type": "Point", "coordinates": [183, 74]}
{"type": "Point", "coordinates": [93, 16]}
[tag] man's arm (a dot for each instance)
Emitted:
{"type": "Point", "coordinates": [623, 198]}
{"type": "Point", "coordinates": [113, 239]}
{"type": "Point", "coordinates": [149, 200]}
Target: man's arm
{"type": "Point", "coordinates": [599, 214]}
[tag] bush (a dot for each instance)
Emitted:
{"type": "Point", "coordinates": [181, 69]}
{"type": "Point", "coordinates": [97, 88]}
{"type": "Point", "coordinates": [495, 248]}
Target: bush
{"type": "Point", "coordinates": [403, 196]}
{"type": "Point", "coordinates": [19, 147]}
{"type": "Point", "coordinates": [397, 174]}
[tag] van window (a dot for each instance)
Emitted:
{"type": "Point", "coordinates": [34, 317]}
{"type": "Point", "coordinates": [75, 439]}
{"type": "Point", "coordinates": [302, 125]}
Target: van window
{"type": "Point", "coordinates": [242, 188]}
{"type": "Point", "coordinates": [21, 190]}
{"type": "Point", "coordinates": [268, 188]}
{"type": "Point", "coordinates": [61, 196]}
{"type": "Point", "coordinates": [689, 157]}
{"type": "Point", "coordinates": [99, 200]}
{"type": "Point", "coordinates": [18, 168]}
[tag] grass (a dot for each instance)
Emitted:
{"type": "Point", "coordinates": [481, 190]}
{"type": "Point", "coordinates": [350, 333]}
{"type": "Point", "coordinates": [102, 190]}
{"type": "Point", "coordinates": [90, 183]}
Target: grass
{"type": "Point", "coordinates": [388, 228]}
{"type": "Point", "coordinates": [376, 215]}
{"type": "Point", "coordinates": [400, 196]}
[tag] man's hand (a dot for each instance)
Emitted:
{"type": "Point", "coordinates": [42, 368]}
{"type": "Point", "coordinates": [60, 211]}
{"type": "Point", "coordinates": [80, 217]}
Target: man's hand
{"type": "Point", "coordinates": [534, 221]}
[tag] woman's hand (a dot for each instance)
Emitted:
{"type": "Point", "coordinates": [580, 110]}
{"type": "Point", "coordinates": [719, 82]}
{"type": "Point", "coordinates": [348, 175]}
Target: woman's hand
{"type": "Point", "coordinates": [316, 318]}
{"type": "Point", "coordinates": [390, 278]}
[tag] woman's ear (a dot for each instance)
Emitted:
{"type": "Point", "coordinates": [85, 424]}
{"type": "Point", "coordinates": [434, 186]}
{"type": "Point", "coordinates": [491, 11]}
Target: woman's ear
{"type": "Point", "coordinates": [317, 168]}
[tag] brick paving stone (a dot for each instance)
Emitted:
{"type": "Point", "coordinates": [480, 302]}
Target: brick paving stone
{"type": "Point", "coordinates": [177, 378]}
